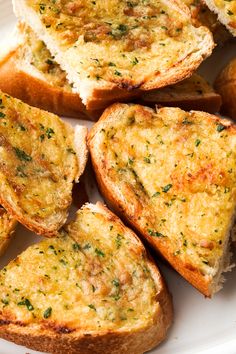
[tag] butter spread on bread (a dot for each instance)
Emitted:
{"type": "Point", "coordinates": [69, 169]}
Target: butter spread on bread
{"type": "Point", "coordinates": [174, 181]}
{"type": "Point", "coordinates": [92, 289]}
{"type": "Point", "coordinates": [226, 11]}
{"type": "Point", "coordinates": [111, 49]}
{"type": "Point", "coordinates": [40, 158]}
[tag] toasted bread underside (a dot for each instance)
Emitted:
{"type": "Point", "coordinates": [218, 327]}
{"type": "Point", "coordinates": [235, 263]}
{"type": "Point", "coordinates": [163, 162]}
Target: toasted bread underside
{"type": "Point", "coordinates": [114, 50]}
{"type": "Point", "coordinates": [7, 227]}
{"type": "Point", "coordinates": [192, 93]}
{"type": "Point", "coordinates": [41, 157]}
{"type": "Point", "coordinates": [174, 181]}
{"type": "Point", "coordinates": [29, 73]}
{"type": "Point", "coordinates": [226, 12]}
{"type": "Point", "coordinates": [96, 291]}
{"type": "Point", "coordinates": [202, 16]}
{"type": "Point", "coordinates": [225, 84]}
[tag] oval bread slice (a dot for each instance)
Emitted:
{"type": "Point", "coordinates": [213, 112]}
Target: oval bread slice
{"type": "Point", "coordinates": [40, 158]}
{"type": "Point", "coordinates": [7, 227]}
{"type": "Point", "coordinates": [172, 175]}
{"type": "Point", "coordinates": [96, 291]}
{"type": "Point", "coordinates": [113, 49]}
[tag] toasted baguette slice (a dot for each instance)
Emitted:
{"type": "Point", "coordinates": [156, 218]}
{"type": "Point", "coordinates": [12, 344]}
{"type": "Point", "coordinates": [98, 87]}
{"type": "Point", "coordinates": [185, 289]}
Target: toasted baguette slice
{"type": "Point", "coordinates": [193, 93]}
{"type": "Point", "coordinates": [112, 49]}
{"type": "Point", "coordinates": [96, 291]}
{"type": "Point", "coordinates": [7, 227]}
{"type": "Point", "coordinates": [225, 84]}
{"type": "Point", "coordinates": [174, 181]}
{"type": "Point", "coordinates": [202, 16]}
{"type": "Point", "coordinates": [29, 73]}
{"type": "Point", "coordinates": [40, 158]}
{"type": "Point", "coordinates": [226, 11]}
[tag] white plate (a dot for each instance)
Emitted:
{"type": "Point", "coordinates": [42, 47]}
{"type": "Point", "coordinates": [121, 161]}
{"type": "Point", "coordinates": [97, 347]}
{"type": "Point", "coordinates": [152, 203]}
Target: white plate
{"type": "Point", "coordinates": [201, 326]}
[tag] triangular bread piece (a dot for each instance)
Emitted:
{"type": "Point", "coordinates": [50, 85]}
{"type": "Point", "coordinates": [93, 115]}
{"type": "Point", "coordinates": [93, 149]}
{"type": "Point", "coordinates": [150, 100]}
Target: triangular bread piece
{"type": "Point", "coordinates": [171, 174]}
{"type": "Point", "coordinates": [114, 49]}
{"type": "Point", "coordinates": [40, 158]}
{"type": "Point", "coordinates": [93, 289]}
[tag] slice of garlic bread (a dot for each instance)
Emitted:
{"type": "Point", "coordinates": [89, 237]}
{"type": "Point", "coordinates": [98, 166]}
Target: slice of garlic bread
{"type": "Point", "coordinates": [174, 180]}
{"type": "Point", "coordinates": [113, 49]}
{"type": "Point", "coordinates": [29, 72]}
{"type": "Point", "coordinates": [7, 227]}
{"type": "Point", "coordinates": [193, 93]}
{"type": "Point", "coordinates": [202, 16]}
{"type": "Point", "coordinates": [40, 158]}
{"type": "Point", "coordinates": [96, 291]}
{"type": "Point", "coordinates": [226, 12]}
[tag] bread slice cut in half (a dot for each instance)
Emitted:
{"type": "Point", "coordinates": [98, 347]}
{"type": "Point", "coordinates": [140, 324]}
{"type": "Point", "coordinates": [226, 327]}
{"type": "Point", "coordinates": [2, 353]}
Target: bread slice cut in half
{"type": "Point", "coordinates": [226, 11]}
{"type": "Point", "coordinates": [29, 72]}
{"type": "Point", "coordinates": [202, 16]}
{"type": "Point", "coordinates": [114, 49]}
{"type": "Point", "coordinates": [40, 158]}
{"type": "Point", "coordinates": [7, 227]}
{"type": "Point", "coordinates": [192, 93]}
{"type": "Point", "coordinates": [174, 181]}
{"type": "Point", "coordinates": [96, 291]}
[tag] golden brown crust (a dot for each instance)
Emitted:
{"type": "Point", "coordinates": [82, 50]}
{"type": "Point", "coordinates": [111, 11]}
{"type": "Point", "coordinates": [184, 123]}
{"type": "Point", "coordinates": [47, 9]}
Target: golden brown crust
{"type": "Point", "coordinates": [9, 226]}
{"type": "Point", "coordinates": [61, 340]}
{"type": "Point", "coordinates": [119, 205]}
{"type": "Point", "coordinates": [225, 85]}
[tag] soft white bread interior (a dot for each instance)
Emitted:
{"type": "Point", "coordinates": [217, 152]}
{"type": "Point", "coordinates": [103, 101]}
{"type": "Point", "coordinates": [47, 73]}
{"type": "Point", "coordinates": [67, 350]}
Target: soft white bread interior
{"type": "Point", "coordinates": [96, 291]}
{"type": "Point", "coordinates": [112, 50]}
{"type": "Point", "coordinates": [226, 12]}
{"type": "Point", "coordinates": [174, 181]}
{"type": "Point", "coordinates": [7, 228]}
{"type": "Point", "coordinates": [41, 158]}
{"type": "Point", "coordinates": [192, 93]}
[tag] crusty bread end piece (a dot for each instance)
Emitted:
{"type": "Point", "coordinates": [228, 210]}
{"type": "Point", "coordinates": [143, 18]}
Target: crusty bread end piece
{"type": "Point", "coordinates": [41, 157]}
{"type": "Point", "coordinates": [96, 291]}
{"type": "Point", "coordinates": [174, 181]}
{"type": "Point", "coordinates": [146, 46]}
{"type": "Point", "coordinates": [225, 85]}
{"type": "Point", "coordinates": [226, 12]}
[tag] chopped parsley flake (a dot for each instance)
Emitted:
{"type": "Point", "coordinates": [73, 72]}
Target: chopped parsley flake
{"type": "Point", "coordinates": [47, 313]}
{"type": "Point", "coordinates": [22, 155]}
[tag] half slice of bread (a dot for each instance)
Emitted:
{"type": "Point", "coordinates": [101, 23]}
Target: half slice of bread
{"type": "Point", "coordinates": [96, 291]}
{"type": "Point", "coordinates": [40, 158]}
{"type": "Point", "coordinates": [193, 93]}
{"type": "Point", "coordinates": [114, 49]}
{"type": "Point", "coordinates": [7, 227]}
{"type": "Point", "coordinates": [226, 11]}
{"type": "Point", "coordinates": [29, 72]}
{"type": "Point", "coordinates": [174, 181]}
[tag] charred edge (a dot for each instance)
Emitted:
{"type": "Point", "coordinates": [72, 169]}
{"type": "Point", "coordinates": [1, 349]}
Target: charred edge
{"type": "Point", "coordinates": [59, 329]}
{"type": "Point", "coordinates": [4, 322]}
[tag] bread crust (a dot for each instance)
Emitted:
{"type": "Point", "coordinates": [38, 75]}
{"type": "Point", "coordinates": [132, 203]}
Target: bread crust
{"type": "Point", "coordinates": [122, 89]}
{"type": "Point", "coordinates": [225, 85]}
{"type": "Point", "coordinates": [124, 210]}
{"type": "Point", "coordinates": [76, 342]}
{"type": "Point", "coordinates": [9, 229]}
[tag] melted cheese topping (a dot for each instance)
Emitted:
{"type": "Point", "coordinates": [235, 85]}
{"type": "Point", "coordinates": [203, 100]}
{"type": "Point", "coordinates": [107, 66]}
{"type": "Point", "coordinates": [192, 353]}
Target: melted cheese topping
{"type": "Point", "coordinates": [37, 160]}
{"type": "Point", "coordinates": [138, 37]}
{"type": "Point", "coordinates": [229, 10]}
{"type": "Point", "coordinates": [93, 277]}
{"type": "Point", "coordinates": [39, 56]}
{"type": "Point", "coordinates": [176, 171]}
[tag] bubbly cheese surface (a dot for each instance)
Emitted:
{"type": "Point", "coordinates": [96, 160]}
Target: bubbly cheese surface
{"type": "Point", "coordinates": [176, 172]}
{"type": "Point", "coordinates": [93, 277]}
{"type": "Point", "coordinates": [37, 160]}
{"type": "Point", "coordinates": [229, 10]}
{"type": "Point", "coordinates": [122, 42]}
